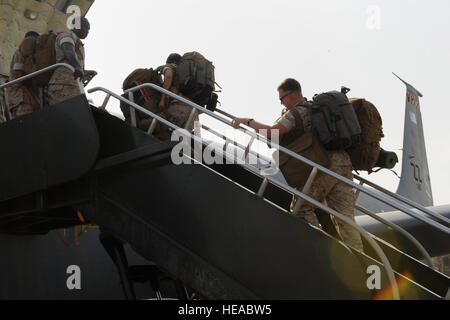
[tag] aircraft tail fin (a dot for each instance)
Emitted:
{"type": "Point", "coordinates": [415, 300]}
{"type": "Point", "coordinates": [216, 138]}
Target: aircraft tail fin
{"type": "Point", "coordinates": [415, 183]}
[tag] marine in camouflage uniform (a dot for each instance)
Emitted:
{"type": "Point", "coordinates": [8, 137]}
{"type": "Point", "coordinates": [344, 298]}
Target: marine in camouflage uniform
{"type": "Point", "coordinates": [176, 111]}
{"type": "Point", "coordinates": [69, 49]}
{"type": "Point", "coordinates": [338, 195]}
{"type": "Point", "coordinates": [295, 130]}
{"type": "Point", "coordinates": [297, 118]}
{"type": "Point", "coordinates": [19, 101]}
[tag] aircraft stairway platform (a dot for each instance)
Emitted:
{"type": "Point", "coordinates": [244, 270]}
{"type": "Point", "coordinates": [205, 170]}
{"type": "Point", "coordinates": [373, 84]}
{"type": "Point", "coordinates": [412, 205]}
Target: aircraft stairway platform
{"type": "Point", "coordinates": [199, 224]}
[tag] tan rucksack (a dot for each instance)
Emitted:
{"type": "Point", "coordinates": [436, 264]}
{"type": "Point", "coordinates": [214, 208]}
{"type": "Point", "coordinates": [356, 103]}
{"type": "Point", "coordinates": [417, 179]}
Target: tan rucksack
{"type": "Point", "coordinates": [39, 53]}
{"type": "Point", "coordinates": [147, 98]}
{"type": "Point", "coordinates": [365, 155]}
{"type": "Point", "coordinates": [26, 49]}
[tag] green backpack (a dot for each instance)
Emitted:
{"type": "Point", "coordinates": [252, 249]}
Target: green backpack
{"type": "Point", "coordinates": [146, 97]}
{"type": "Point", "coordinates": [334, 121]}
{"type": "Point", "coordinates": [195, 79]}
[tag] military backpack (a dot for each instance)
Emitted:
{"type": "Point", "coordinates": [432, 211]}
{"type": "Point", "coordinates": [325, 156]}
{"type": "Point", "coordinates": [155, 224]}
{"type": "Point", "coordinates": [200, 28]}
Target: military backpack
{"type": "Point", "coordinates": [39, 53]}
{"type": "Point", "coordinates": [366, 154]}
{"type": "Point", "coordinates": [146, 97]}
{"type": "Point", "coordinates": [334, 121]}
{"type": "Point", "coordinates": [195, 79]}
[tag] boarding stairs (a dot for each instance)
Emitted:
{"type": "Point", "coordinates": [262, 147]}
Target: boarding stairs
{"type": "Point", "coordinates": [213, 237]}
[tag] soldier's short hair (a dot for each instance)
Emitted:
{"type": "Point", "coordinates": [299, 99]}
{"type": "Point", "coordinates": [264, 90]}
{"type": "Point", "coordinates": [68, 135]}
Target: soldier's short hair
{"type": "Point", "coordinates": [173, 58]}
{"type": "Point", "coordinates": [290, 85]}
{"type": "Point", "coordinates": [33, 34]}
{"type": "Point", "coordinates": [83, 22]}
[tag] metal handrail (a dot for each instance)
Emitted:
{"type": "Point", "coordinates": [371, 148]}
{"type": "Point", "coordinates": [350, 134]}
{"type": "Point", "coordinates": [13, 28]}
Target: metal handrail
{"type": "Point", "coordinates": [34, 74]}
{"type": "Point", "coordinates": [223, 137]}
{"type": "Point", "coordinates": [263, 187]}
{"type": "Point", "coordinates": [415, 242]}
{"type": "Point", "coordinates": [403, 199]}
{"type": "Point", "coordinates": [377, 196]}
{"type": "Point", "coordinates": [190, 103]}
{"type": "Point", "coordinates": [281, 185]}
{"type": "Point", "coordinates": [375, 186]}
{"type": "Point", "coordinates": [419, 246]}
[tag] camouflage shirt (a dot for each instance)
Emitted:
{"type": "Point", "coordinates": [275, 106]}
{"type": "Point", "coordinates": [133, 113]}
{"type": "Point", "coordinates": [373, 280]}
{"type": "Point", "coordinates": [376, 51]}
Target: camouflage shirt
{"type": "Point", "coordinates": [69, 37]}
{"type": "Point", "coordinates": [287, 120]}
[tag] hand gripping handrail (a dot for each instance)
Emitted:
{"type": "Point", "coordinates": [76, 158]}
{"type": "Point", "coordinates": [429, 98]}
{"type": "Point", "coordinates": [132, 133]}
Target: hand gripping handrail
{"type": "Point", "coordinates": [380, 197]}
{"type": "Point", "coordinates": [34, 74]}
{"type": "Point", "coordinates": [364, 233]}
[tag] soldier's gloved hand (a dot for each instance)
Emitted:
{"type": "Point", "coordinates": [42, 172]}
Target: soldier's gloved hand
{"type": "Point", "coordinates": [78, 74]}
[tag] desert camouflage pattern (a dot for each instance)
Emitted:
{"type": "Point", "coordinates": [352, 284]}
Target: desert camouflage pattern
{"type": "Point", "coordinates": [14, 23]}
{"type": "Point", "coordinates": [338, 196]}
{"type": "Point", "coordinates": [71, 38]}
{"type": "Point", "coordinates": [161, 131]}
{"type": "Point", "coordinates": [178, 113]}
{"type": "Point", "coordinates": [63, 86]}
{"type": "Point", "coordinates": [19, 102]}
{"type": "Point", "coordinates": [22, 110]}
{"type": "Point", "coordinates": [287, 120]}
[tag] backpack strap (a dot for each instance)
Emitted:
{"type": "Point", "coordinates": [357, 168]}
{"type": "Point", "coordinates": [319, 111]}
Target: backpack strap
{"type": "Point", "coordinates": [297, 131]}
{"type": "Point", "coordinates": [36, 105]}
{"type": "Point", "coordinates": [79, 50]}
{"type": "Point", "coordinates": [299, 125]}
{"type": "Point", "coordinates": [143, 91]}
{"type": "Point", "coordinates": [27, 47]}
{"type": "Point", "coordinates": [160, 69]}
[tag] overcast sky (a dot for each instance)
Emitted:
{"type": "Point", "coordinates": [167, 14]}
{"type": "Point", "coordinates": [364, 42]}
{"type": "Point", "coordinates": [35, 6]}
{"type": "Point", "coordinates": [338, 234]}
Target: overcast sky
{"type": "Point", "coordinates": [324, 44]}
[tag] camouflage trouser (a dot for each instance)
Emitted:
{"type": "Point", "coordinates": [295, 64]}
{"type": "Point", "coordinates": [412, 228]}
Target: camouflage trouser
{"type": "Point", "coordinates": [178, 113]}
{"type": "Point", "coordinates": [19, 103]}
{"type": "Point", "coordinates": [160, 131]}
{"type": "Point", "coordinates": [62, 86]}
{"type": "Point", "coordinates": [22, 110]}
{"type": "Point", "coordinates": [339, 197]}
